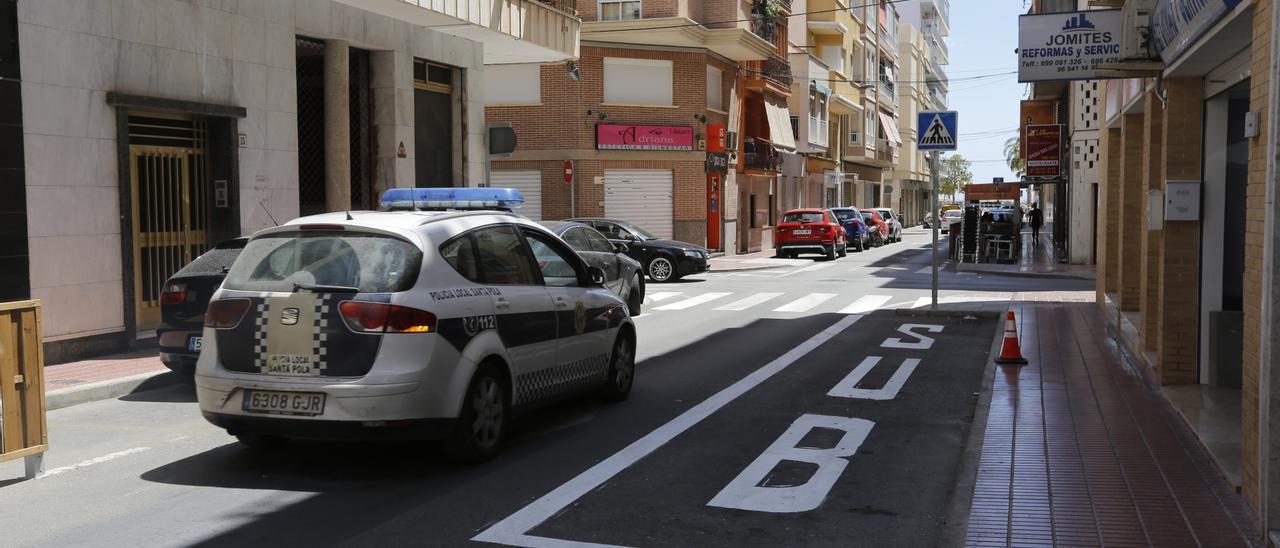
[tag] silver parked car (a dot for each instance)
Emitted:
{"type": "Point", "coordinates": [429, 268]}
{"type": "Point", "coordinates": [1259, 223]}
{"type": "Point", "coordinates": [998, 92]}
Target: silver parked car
{"type": "Point", "coordinates": [623, 275]}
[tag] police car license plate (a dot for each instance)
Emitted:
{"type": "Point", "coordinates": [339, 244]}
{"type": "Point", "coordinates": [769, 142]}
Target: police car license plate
{"type": "Point", "coordinates": [283, 403]}
{"type": "Point", "coordinates": [803, 232]}
{"type": "Point", "coordinates": [194, 344]}
{"type": "Point", "coordinates": [289, 364]}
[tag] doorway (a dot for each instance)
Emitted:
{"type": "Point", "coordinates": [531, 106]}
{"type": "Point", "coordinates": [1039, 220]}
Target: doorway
{"type": "Point", "coordinates": [433, 131]}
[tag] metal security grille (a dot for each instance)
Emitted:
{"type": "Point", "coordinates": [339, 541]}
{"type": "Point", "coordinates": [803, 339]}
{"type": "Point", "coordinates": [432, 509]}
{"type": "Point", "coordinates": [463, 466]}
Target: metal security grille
{"type": "Point", "coordinates": [362, 191]}
{"type": "Point", "coordinates": [168, 162]}
{"type": "Point", "coordinates": [311, 173]}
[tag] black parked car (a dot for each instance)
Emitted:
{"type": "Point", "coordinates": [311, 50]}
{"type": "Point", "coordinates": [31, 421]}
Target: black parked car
{"type": "Point", "coordinates": [183, 302]}
{"type": "Point", "coordinates": [623, 275]}
{"type": "Point", "coordinates": [663, 260]}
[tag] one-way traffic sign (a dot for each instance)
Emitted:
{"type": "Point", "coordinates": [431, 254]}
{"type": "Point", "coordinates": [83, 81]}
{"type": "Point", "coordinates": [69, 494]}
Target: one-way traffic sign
{"type": "Point", "coordinates": [938, 130]}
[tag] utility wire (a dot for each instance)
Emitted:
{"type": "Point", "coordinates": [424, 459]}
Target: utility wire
{"type": "Point", "coordinates": [727, 21]}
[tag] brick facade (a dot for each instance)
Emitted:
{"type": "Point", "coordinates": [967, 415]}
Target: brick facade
{"type": "Point", "coordinates": [1178, 278]}
{"type": "Point", "coordinates": [1109, 196]}
{"type": "Point", "coordinates": [1152, 179]}
{"type": "Point", "coordinates": [1132, 196]}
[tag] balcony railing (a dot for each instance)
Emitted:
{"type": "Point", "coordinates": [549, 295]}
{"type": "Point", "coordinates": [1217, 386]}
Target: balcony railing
{"type": "Point", "coordinates": [760, 155]}
{"type": "Point", "coordinates": [886, 90]}
{"type": "Point", "coordinates": [884, 152]}
{"type": "Point", "coordinates": [567, 6]}
{"type": "Point", "coordinates": [775, 70]}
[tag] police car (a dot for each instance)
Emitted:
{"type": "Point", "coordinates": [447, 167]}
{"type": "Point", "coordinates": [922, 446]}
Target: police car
{"type": "Point", "coordinates": [438, 318]}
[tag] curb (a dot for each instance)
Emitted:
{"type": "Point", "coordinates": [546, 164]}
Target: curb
{"type": "Point", "coordinates": [928, 313]}
{"type": "Point", "coordinates": [1055, 275]}
{"type": "Point", "coordinates": [108, 389]}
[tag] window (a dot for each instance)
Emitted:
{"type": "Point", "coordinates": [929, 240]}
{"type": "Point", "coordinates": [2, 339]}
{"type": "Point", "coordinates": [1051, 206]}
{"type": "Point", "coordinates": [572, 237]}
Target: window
{"type": "Point", "coordinates": [598, 243]}
{"type": "Point", "coordinates": [460, 253]}
{"type": "Point", "coordinates": [502, 257]}
{"type": "Point", "coordinates": [869, 65]}
{"type": "Point", "coordinates": [576, 239]}
{"type": "Point", "coordinates": [512, 84]}
{"type": "Point", "coordinates": [715, 88]}
{"type": "Point", "coordinates": [366, 262]}
{"type": "Point", "coordinates": [556, 264]}
{"type": "Point", "coordinates": [871, 126]}
{"type": "Point", "coordinates": [833, 57]}
{"type": "Point", "coordinates": [637, 81]}
{"type": "Point", "coordinates": [619, 10]}
{"type": "Point", "coordinates": [804, 217]}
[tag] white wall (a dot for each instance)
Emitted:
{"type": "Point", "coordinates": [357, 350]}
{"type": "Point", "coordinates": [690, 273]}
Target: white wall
{"type": "Point", "coordinates": [227, 52]}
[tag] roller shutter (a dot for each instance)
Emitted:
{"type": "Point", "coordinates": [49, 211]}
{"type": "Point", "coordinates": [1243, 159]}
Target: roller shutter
{"type": "Point", "coordinates": [529, 183]}
{"type": "Point", "coordinates": [642, 197]}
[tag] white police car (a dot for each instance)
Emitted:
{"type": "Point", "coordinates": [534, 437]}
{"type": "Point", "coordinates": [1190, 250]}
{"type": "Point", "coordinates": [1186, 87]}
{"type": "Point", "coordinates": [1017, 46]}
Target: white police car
{"type": "Point", "coordinates": [408, 324]}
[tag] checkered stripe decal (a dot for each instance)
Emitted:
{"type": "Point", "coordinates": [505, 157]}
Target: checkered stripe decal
{"type": "Point", "coordinates": [320, 335]}
{"type": "Point", "coordinates": [260, 336]}
{"type": "Point", "coordinates": [552, 381]}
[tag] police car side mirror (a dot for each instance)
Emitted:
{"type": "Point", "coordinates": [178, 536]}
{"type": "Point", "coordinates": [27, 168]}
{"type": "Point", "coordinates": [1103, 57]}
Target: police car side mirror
{"type": "Point", "coordinates": [619, 247]}
{"type": "Point", "coordinates": [596, 275]}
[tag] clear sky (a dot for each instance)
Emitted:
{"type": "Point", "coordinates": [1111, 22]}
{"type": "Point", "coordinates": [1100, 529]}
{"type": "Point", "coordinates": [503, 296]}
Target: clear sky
{"type": "Point", "coordinates": [984, 35]}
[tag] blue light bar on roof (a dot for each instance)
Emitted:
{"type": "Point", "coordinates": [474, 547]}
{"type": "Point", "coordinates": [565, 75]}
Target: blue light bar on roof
{"type": "Point", "coordinates": [416, 199]}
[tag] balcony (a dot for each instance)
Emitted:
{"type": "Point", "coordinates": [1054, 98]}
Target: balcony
{"type": "Point", "coordinates": [512, 31]}
{"type": "Point", "coordinates": [760, 156]}
{"type": "Point", "coordinates": [937, 42]}
{"type": "Point", "coordinates": [735, 42]}
{"type": "Point", "coordinates": [828, 17]}
{"type": "Point", "coordinates": [887, 91]}
{"type": "Point", "coordinates": [775, 71]}
{"type": "Point", "coordinates": [937, 10]}
{"type": "Point", "coordinates": [885, 152]}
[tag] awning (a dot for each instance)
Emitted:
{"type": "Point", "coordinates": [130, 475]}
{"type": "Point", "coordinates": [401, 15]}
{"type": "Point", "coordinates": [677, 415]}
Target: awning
{"type": "Point", "coordinates": [890, 129]}
{"type": "Point", "coordinates": [821, 88]}
{"type": "Point", "coordinates": [779, 126]}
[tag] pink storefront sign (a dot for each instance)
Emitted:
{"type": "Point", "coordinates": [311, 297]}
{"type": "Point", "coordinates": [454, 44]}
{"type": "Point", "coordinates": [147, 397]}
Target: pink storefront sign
{"type": "Point", "coordinates": [633, 137]}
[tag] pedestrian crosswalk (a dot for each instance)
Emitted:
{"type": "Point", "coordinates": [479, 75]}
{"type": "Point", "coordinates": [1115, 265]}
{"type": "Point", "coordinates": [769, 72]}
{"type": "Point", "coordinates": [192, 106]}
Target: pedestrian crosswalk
{"type": "Point", "coordinates": [794, 303]}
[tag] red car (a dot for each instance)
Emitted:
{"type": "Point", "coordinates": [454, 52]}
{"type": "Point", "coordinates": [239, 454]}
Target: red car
{"type": "Point", "coordinates": [879, 228]}
{"type": "Point", "coordinates": [810, 231]}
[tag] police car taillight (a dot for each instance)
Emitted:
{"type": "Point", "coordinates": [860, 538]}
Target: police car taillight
{"type": "Point", "coordinates": [369, 317]}
{"type": "Point", "coordinates": [442, 199]}
{"type": "Point", "coordinates": [225, 313]}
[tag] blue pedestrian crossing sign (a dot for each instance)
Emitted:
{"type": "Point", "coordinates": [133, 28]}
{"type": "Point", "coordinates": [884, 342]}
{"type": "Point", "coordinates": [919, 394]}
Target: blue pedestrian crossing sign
{"type": "Point", "coordinates": [938, 130]}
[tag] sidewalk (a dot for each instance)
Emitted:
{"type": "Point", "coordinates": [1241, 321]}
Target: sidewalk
{"type": "Point", "coordinates": [754, 261]}
{"type": "Point", "coordinates": [1079, 450]}
{"type": "Point", "coordinates": [102, 378]}
{"type": "Point", "coordinates": [1034, 260]}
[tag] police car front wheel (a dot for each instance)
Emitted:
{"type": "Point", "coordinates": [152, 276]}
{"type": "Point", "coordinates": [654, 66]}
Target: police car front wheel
{"type": "Point", "coordinates": [482, 424]}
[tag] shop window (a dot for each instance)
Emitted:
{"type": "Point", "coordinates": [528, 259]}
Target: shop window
{"type": "Point", "coordinates": [637, 81]}
{"type": "Point", "coordinates": [512, 84]}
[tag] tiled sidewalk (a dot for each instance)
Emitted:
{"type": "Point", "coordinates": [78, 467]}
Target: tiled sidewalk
{"type": "Point", "coordinates": [106, 368]}
{"type": "Point", "coordinates": [1080, 451]}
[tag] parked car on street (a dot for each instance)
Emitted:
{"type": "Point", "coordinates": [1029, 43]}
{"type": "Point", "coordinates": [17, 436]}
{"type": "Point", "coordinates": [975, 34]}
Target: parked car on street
{"type": "Point", "coordinates": [951, 216]}
{"type": "Point", "coordinates": [895, 225]}
{"type": "Point", "coordinates": [183, 301]}
{"type": "Point", "coordinates": [664, 260]}
{"type": "Point", "coordinates": [810, 231]}
{"type": "Point", "coordinates": [855, 230]}
{"type": "Point", "coordinates": [409, 324]}
{"type": "Point", "coordinates": [879, 228]}
{"type": "Point", "coordinates": [623, 275]}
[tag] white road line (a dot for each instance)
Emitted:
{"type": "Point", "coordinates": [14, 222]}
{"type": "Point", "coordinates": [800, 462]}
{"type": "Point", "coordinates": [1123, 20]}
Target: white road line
{"type": "Point", "coordinates": [660, 296]}
{"type": "Point", "coordinates": [805, 303]}
{"type": "Point", "coordinates": [93, 461]}
{"type": "Point", "coordinates": [693, 301]}
{"type": "Point", "coordinates": [928, 270]}
{"type": "Point", "coordinates": [513, 529]}
{"type": "Point", "coordinates": [743, 304]}
{"type": "Point", "coordinates": [866, 304]}
{"type": "Point", "coordinates": [811, 268]}
{"type": "Point", "coordinates": [925, 301]}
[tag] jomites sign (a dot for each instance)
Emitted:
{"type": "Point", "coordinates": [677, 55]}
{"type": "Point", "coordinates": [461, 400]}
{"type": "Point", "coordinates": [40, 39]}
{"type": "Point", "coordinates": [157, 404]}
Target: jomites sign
{"type": "Point", "coordinates": [1067, 46]}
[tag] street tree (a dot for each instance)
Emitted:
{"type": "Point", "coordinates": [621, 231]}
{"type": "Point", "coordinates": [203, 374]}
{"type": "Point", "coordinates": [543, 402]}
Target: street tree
{"type": "Point", "coordinates": [956, 171]}
{"type": "Point", "coordinates": [1013, 156]}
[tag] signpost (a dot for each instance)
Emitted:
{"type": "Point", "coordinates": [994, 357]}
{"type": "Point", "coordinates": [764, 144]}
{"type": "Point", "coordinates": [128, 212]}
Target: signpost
{"type": "Point", "coordinates": [937, 131]}
{"type": "Point", "coordinates": [1068, 45]}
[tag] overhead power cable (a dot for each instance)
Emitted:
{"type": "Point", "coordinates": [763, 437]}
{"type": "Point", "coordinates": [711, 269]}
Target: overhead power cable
{"type": "Point", "coordinates": [728, 21]}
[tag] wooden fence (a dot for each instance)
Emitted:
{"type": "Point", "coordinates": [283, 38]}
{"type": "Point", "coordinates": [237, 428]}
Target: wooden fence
{"type": "Point", "coordinates": [23, 432]}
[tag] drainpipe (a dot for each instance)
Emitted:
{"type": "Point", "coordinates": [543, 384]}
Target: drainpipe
{"type": "Point", "coordinates": [1271, 245]}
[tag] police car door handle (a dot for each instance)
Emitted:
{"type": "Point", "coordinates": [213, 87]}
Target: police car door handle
{"type": "Point", "coordinates": [561, 302]}
{"type": "Point", "coordinates": [502, 303]}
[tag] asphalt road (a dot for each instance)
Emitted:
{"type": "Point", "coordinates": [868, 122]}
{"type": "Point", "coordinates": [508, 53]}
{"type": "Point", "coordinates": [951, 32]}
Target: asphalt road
{"type": "Point", "coordinates": [759, 417]}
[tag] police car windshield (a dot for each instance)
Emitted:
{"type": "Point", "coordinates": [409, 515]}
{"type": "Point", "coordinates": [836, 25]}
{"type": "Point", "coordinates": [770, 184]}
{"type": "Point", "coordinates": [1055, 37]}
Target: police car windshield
{"type": "Point", "coordinates": [287, 262]}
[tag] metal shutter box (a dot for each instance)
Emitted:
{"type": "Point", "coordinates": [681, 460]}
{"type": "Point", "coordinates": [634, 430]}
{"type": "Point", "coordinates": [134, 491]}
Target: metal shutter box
{"type": "Point", "coordinates": [529, 183]}
{"type": "Point", "coordinates": [642, 197]}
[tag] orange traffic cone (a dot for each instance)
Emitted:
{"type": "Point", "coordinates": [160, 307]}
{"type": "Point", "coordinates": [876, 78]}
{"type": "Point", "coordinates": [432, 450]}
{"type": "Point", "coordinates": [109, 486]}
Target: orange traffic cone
{"type": "Point", "coordinates": [1010, 350]}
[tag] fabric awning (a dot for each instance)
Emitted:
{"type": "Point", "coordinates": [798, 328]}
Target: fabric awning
{"type": "Point", "coordinates": [779, 126]}
{"type": "Point", "coordinates": [890, 129]}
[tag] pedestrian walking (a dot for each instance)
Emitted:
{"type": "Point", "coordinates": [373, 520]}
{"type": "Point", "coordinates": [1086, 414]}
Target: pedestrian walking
{"type": "Point", "coordinates": [1037, 219]}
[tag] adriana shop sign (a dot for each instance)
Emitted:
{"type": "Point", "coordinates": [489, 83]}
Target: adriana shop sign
{"type": "Point", "coordinates": [636, 137]}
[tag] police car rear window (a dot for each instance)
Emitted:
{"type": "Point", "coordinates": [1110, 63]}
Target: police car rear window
{"type": "Point", "coordinates": [372, 263]}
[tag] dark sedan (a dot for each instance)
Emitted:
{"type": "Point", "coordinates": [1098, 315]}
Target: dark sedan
{"type": "Point", "coordinates": [622, 274]}
{"type": "Point", "coordinates": [664, 260]}
{"type": "Point", "coordinates": [183, 302]}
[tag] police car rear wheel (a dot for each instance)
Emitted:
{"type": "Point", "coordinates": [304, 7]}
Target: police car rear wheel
{"type": "Point", "coordinates": [622, 368]}
{"type": "Point", "coordinates": [483, 423]}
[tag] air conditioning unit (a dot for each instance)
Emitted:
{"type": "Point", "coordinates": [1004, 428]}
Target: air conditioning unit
{"type": "Point", "coordinates": [855, 138]}
{"type": "Point", "coordinates": [1135, 39]}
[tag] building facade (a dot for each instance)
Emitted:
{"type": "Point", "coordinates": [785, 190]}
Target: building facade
{"type": "Point", "coordinates": [150, 131]}
{"type": "Point", "coordinates": [1186, 232]}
